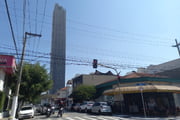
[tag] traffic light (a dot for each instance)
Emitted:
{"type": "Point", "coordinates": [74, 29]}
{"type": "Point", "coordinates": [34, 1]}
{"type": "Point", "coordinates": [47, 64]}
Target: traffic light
{"type": "Point", "coordinates": [95, 63]}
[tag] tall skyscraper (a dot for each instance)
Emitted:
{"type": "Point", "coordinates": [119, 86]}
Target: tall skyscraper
{"type": "Point", "coordinates": [58, 48]}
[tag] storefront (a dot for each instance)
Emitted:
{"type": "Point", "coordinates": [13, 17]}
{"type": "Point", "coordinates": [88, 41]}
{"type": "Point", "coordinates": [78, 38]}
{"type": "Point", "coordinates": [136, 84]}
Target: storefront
{"type": "Point", "coordinates": [7, 68]}
{"type": "Point", "coordinates": [148, 100]}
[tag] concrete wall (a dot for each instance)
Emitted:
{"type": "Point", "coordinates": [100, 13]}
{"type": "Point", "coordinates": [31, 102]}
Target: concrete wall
{"type": "Point", "coordinates": [97, 79]}
{"type": "Point", "coordinates": [2, 77]}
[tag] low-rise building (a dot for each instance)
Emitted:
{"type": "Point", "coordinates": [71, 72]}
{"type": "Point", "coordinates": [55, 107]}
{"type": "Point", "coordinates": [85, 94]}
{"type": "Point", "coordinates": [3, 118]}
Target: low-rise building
{"type": "Point", "coordinates": [92, 79]}
{"type": "Point", "coordinates": [170, 69]}
{"type": "Point", "coordinates": [7, 68]}
{"type": "Point", "coordinates": [145, 94]}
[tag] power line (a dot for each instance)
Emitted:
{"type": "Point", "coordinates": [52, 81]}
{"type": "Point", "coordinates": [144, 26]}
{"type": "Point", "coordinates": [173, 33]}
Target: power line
{"type": "Point", "coordinates": [116, 30]}
{"type": "Point", "coordinates": [110, 29]}
{"type": "Point", "coordinates": [122, 58]}
{"type": "Point", "coordinates": [17, 30]}
{"type": "Point", "coordinates": [29, 16]}
{"type": "Point", "coordinates": [12, 32]}
{"type": "Point", "coordinates": [24, 18]}
{"type": "Point", "coordinates": [113, 37]}
{"type": "Point", "coordinates": [36, 16]}
{"type": "Point", "coordinates": [79, 61]}
{"type": "Point", "coordinates": [42, 24]}
{"type": "Point", "coordinates": [44, 13]}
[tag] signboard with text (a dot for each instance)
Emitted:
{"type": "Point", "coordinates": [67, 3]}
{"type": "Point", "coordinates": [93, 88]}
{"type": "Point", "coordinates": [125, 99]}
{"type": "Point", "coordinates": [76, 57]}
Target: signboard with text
{"type": "Point", "coordinates": [7, 63]}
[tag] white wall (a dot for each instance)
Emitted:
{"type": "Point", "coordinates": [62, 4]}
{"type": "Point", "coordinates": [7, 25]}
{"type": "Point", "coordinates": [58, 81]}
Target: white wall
{"type": "Point", "coordinates": [2, 77]}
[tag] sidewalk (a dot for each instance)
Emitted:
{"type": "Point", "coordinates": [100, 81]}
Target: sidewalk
{"type": "Point", "coordinates": [6, 118]}
{"type": "Point", "coordinates": [129, 117]}
{"type": "Point", "coordinates": [3, 118]}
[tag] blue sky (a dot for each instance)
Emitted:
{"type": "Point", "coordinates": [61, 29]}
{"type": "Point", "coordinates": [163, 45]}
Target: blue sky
{"type": "Point", "coordinates": [128, 33]}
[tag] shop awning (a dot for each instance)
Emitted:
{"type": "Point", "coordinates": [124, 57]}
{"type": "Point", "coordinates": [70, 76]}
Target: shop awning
{"type": "Point", "coordinates": [109, 92]}
{"type": "Point", "coordinates": [145, 88]}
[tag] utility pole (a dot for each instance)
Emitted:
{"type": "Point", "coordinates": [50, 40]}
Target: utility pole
{"type": "Point", "coordinates": [177, 45]}
{"type": "Point", "coordinates": [15, 98]}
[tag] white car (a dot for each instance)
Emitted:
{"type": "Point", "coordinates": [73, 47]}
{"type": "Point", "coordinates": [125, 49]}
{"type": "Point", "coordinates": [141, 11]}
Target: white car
{"type": "Point", "coordinates": [86, 106]}
{"type": "Point", "coordinates": [101, 108]}
{"type": "Point", "coordinates": [26, 112]}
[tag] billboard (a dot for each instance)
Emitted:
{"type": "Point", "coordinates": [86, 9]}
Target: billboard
{"type": "Point", "coordinates": [7, 63]}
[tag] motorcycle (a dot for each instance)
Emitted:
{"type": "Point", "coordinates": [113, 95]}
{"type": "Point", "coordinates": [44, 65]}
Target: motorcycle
{"type": "Point", "coordinates": [48, 112]}
{"type": "Point", "coordinates": [53, 110]}
{"type": "Point", "coordinates": [60, 112]}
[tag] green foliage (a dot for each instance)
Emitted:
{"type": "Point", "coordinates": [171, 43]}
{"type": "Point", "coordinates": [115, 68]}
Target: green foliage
{"type": "Point", "coordinates": [84, 92]}
{"type": "Point", "coordinates": [35, 80]}
{"type": "Point", "coordinates": [2, 100]}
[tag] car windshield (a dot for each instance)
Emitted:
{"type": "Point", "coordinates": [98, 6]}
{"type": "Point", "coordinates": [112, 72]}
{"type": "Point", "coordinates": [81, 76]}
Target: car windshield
{"type": "Point", "coordinates": [26, 108]}
{"type": "Point", "coordinates": [103, 103]}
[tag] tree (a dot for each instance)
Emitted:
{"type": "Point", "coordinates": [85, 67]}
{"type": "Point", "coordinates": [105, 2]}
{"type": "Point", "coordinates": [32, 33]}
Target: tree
{"type": "Point", "coordinates": [35, 80]}
{"type": "Point", "coordinates": [84, 92]}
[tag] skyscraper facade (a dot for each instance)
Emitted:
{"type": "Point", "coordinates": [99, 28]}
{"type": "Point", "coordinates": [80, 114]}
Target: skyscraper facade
{"type": "Point", "coordinates": [58, 48]}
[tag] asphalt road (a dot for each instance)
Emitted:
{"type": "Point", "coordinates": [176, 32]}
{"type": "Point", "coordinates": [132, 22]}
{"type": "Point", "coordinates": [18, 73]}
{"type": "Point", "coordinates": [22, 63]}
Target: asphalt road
{"type": "Point", "coordinates": [84, 116]}
{"type": "Point", "coordinates": [77, 116]}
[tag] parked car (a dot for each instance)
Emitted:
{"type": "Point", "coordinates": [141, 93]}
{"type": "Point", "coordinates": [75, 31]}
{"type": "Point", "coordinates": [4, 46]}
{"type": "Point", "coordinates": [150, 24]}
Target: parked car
{"type": "Point", "coordinates": [76, 107]}
{"type": "Point", "coordinates": [26, 112]}
{"type": "Point", "coordinates": [101, 108]}
{"type": "Point", "coordinates": [38, 108]}
{"type": "Point", "coordinates": [72, 106]}
{"type": "Point", "coordinates": [86, 106]}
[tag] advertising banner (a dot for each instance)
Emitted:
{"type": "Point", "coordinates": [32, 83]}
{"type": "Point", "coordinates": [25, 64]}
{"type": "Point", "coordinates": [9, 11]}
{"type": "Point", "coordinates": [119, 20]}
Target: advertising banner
{"type": "Point", "coordinates": [7, 63]}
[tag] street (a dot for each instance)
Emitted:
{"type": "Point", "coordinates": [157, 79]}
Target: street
{"type": "Point", "coordinates": [84, 116]}
{"type": "Point", "coordinates": [77, 116]}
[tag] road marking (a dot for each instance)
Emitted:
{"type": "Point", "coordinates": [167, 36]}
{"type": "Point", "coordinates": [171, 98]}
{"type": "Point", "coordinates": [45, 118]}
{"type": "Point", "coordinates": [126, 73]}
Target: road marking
{"type": "Point", "coordinates": [69, 118]}
{"type": "Point", "coordinates": [80, 118]}
{"type": "Point", "coordinates": [108, 118]}
{"type": "Point", "coordinates": [89, 118]}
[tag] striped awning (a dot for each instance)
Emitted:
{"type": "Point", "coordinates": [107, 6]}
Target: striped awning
{"type": "Point", "coordinates": [145, 88]}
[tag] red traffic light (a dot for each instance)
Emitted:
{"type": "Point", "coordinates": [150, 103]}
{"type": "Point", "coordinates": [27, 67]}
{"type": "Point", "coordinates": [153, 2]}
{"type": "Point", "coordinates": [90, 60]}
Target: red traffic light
{"type": "Point", "coordinates": [95, 62]}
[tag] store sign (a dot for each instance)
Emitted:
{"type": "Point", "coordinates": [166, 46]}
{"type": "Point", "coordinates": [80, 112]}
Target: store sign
{"type": "Point", "coordinates": [3, 61]}
{"type": "Point", "coordinates": [7, 63]}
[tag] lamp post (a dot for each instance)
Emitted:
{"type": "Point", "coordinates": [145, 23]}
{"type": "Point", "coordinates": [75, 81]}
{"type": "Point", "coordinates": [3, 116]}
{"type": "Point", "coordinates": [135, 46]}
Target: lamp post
{"type": "Point", "coordinates": [118, 80]}
{"type": "Point", "coordinates": [142, 97]}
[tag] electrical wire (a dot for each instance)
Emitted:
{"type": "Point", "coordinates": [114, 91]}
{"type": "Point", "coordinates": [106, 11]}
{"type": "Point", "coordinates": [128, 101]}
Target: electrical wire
{"type": "Point", "coordinates": [11, 27]}
{"type": "Point", "coordinates": [78, 61]}
{"type": "Point", "coordinates": [110, 29]}
{"type": "Point", "coordinates": [42, 23]}
{"type": "Point", "coordinates": [17, 30]}
{"type": "Point", "coordinates": [29, 15]}
{"type": "Point", "coordinates": [101, 52]}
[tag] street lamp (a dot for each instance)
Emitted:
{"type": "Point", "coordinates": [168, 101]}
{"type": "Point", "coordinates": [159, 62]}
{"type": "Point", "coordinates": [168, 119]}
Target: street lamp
{"type": "Point", "coordinates": [142, 97]}
{"type": "Point", "coordinates": [117, 73]}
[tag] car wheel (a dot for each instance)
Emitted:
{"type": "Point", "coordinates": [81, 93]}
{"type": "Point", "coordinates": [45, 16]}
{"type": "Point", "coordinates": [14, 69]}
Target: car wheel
{"type": "Point", "coordinates": [85, 110]}
{"type": "Point", "coordinates": [99, 112]}
{"type": "Point", "coordinates": [110, 113]}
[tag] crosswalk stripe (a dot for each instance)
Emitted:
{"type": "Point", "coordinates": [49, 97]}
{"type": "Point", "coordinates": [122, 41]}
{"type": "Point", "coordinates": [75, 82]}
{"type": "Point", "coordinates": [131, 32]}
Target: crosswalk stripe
{"type": "Point", "coordinates": [69, 118]}
{"type": "Point", "coordinates": [101, 118]}
{"type": "Point", "coordinates": [79, 118]}
{"type": "Point", "coordinates": [89, 118]}
{"type": "Point", "coordinates": [109, 118]}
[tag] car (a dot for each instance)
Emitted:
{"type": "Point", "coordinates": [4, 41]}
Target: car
{"type": "Point", "coordinates": [89, 106]}
{"type": "Point", "coordinates": [76, 107]}
{"type": "Point", "coordinates": [26, 112]}
{"type": "Point", "coordinates": [86, 106]}
{"type": "Point", "coordinates": [101, 108]}
{"type": "Point", "coordinates": [38, 108]}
